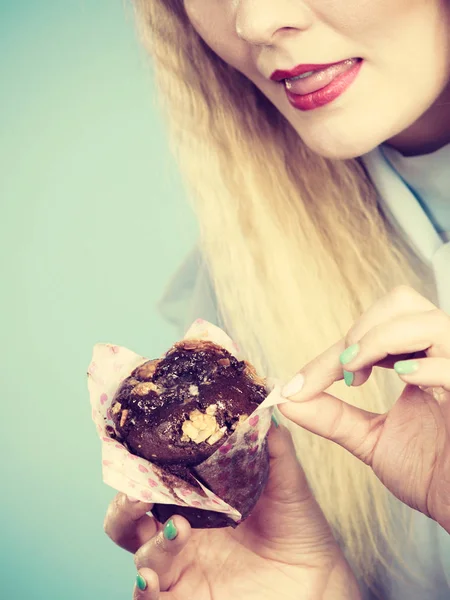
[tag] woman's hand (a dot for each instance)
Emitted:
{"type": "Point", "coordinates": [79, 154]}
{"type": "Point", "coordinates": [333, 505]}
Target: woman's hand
{"type": "Point", "coordinates": [408, 447]}
{"type": "Point", "coordinates": [284, 551]}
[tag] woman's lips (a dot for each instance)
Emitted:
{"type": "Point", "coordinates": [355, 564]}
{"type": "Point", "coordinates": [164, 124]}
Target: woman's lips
{"type": "Point", "coordinates": [328, 82]}
{"type": "Point", "coordinates": [307, 84]}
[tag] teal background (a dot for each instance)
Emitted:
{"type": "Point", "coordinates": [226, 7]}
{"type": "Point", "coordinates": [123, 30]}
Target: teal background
{"type": "Point", "coordinates": [93, 222]}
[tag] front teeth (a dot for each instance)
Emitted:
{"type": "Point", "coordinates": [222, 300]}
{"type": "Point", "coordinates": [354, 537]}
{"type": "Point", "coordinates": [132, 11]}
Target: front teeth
{"type": "Point", "coordinates": [303, 76]}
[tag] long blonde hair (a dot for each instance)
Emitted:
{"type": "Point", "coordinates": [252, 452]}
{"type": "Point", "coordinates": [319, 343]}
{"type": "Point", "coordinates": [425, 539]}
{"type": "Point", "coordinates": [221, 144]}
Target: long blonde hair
{"type": "Point", "coordinates": [296, 246]}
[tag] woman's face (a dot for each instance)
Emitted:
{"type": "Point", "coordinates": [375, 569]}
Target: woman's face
{"type": "Point", "coordinates": [401, 83]}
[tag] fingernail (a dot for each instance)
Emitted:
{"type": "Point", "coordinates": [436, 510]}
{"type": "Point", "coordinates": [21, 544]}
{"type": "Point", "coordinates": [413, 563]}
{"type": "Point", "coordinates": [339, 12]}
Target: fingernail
{"type": "Point", "coordinates": [170, 531]}
{"type": "Point", "coordinates": [275, 421]}
{"type": "Point", "coordinates": [131, 499]}
{"type": "Point", "coordinates": [349, 354]}
{"type": "Point", "coordinates": [349, 378]}
{"type": "Point", "coordinates": [140, 582]}
{"type": "Point", "coordinates": [406, 367]}
{"type": "Point", "coordinates": [294, 386]}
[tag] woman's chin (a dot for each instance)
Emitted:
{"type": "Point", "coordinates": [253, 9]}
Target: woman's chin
{"type": "Point", "coordinates": [339, 149]}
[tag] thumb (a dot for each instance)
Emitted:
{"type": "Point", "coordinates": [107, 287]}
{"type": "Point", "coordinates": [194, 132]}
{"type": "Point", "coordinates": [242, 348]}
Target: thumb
{"type": "Point", "coordinates": [355, 429]}
{"type": "Point", "coordinates": [287, 482]}
{"type": "Point", "coordinates": [288, 520]}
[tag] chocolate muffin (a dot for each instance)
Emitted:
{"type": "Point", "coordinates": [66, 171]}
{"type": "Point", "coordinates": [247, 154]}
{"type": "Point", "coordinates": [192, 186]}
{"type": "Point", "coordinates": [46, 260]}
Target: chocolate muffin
{"type": "Point", "coordinates": [177, 411]}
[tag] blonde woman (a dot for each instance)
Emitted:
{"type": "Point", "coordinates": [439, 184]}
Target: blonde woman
{"type": "Point", "coordinates": [314, 140]}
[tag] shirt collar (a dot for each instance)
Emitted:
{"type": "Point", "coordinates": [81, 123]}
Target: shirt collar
{"type": "Point", "coordinates": [406, 213]}
{"type": "Point", "coordinates": [402, 207]}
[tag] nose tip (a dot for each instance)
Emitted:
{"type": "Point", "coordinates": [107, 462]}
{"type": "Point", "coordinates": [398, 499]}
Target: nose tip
{"type": "Point", "coordinates": [261, 23]}
{"type": "Point", "coordinates": [259, 38]}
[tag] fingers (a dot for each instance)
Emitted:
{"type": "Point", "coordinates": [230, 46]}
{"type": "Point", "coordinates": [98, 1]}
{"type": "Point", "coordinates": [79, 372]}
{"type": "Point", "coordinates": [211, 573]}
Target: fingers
{"type": "Point", "coordinates": [287, 481]}
{"type": "Point", "coordinates": [426, 372]}
{"type": "Point", "coordinates": [127, 523]}
{"type": "Point", "coordinates": [402, 300]}
{"type": "Point", "coordinates": [147, 586]}
{"type": "Point", "coordinates": [426, 331]}
{"type": "Point", "coordinates": [354, 429]}
{"type": "Point", "coordinates": [317, 375]}
{"type": "Point", "coordinates": [327, 368]}
{"type": "Point", "coordinates": [160, 552]}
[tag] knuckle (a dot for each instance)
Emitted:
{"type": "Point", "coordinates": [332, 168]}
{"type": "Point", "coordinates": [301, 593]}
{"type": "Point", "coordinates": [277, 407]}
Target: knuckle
{"type": "Point", "coordinates": [120, 501]}
{"type": "Point", "coordinates": [442, 319]}
{"type": "Point", "coordinates": [141, 557]}
{"type": "Point", "coordinates": [439, 326]}
{"type": "Point", "coordinates": [404, 296]}
{"type": "Point", "coordinates": [107, 523]}
{"type": "Point", "coordinates": [138, 559]}
{"type": "Point", "coordinates": [335, 427]}
{"type": "Point", "coordinates": [146, 554]}
{"type": "Point", "coordinates": [111, 516]}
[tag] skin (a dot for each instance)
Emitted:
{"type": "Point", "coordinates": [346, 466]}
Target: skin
{"type": "Point", "coordinates": [402, 93]}
{"type": "Point", "coordinates": [285, 550]}
{"type": "Point", "coordinates": [409, 446]}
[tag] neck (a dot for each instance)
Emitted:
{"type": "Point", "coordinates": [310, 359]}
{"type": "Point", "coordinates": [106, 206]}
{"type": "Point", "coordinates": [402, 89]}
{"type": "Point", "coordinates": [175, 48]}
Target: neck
{"type": "Point", "coordinates": [429, 133]}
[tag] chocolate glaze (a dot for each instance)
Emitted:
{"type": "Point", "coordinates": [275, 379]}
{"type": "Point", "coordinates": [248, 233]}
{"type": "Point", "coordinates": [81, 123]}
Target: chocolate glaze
{"type": "Point", "coordinates": [193, 375]}
{"type": "Point", "coordinates": [152, 404]}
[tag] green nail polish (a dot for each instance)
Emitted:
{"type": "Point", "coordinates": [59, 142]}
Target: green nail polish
{"type": "Point", "coordinates": [349, 354]}
{"type": "Point", "coordinates": [275, 421]}
{"type": "Point", "coordinates": [349, 377]}
{"type": "Point", "coordinates": [170, 531]}
{"type": "Point", "coordinates": [406, 367]}
{"type": "Point", "coordinates": [140, 582]}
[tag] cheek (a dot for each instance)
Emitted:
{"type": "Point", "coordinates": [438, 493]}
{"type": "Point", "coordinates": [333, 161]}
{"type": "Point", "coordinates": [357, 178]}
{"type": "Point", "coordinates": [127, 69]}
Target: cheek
{"type": "Point", "coordinates": [207, 18]}
{"type": "Point", "coordinates": [214, 23]}
{"type": "Point", "coordinates": [359, 18]}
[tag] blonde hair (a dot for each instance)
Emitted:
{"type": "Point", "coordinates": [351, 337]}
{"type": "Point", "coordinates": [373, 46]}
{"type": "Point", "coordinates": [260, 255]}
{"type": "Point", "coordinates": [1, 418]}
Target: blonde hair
{"type": "Point", "coordinates": [296, 246]}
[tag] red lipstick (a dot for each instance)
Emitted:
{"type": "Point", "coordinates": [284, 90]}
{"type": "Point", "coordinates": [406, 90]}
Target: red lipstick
{"type": "Point", "coordinates": [312, 86]}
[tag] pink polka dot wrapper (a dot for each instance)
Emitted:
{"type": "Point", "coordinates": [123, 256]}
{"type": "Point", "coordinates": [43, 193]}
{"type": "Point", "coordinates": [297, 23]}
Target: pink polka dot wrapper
{"type": "Point", "coordinates": [231, 479]}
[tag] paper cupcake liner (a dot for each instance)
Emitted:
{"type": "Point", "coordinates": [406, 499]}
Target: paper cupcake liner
{"type": "Point", "coordinates": [237, 471]}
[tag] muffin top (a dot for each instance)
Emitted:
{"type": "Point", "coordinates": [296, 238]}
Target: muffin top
{"type": "Point", "coordinates": [180, 409]}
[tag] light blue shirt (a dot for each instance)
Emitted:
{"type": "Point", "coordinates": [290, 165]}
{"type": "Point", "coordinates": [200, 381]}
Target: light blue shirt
{"type": "Point", "coordinates": [428, 178]}
{"type": "Point", "coordinates": [407, 214]}
{"type": "Point", "coordinates": [413, 194]}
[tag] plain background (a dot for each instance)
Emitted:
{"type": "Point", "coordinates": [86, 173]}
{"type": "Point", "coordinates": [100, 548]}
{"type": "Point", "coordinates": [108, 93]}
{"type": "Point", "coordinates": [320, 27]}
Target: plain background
{"type": "Point", "coordinates": [93, 222]}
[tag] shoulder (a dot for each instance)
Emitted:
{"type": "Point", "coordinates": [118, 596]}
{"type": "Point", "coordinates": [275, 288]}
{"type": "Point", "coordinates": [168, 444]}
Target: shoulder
{"type": "Point", "coordinates": [190, 294]}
